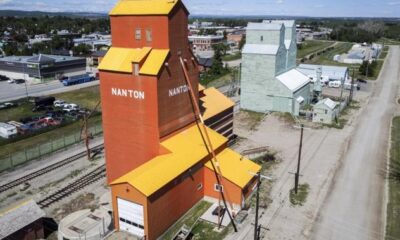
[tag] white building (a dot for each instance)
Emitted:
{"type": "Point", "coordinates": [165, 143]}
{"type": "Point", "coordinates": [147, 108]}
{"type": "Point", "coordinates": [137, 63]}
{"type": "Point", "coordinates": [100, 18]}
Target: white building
{"type": "Point", "coordinates": [270, 80]}
{"type": "Point", "coordinates": [7, 130]}
{"type": "Point", "coordinates": [325, 111]}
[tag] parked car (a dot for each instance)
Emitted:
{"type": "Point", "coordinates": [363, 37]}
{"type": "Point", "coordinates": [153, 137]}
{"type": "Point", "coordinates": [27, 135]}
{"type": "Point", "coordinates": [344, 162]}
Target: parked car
{"type": "Point", "coordinates": [44, 101]}
{"type": "Point", "coordinates": [73, 115]}
{"type": "Point", "coordinates": [7, 105]}
{"type": "Point", "coordinates": [4, 78]}
{"type": "Point", "coordinates": [362, 80]}
{"type": "Point", "coordinates": [71, 106]}
{"type": "Point", "coordinates": [19, 81]}
{"type": "Point", "coordinates": [10, 81]}
{"type": "Point", "coordinates": [41, 108]}
{"type": "Point", "coordinates": [59, 103]}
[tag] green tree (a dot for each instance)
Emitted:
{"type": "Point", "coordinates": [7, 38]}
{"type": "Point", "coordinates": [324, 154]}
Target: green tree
{"type": "Point", "coordinates": [81, 49]}
{"type": "Point", "coordinates": [242, 42]}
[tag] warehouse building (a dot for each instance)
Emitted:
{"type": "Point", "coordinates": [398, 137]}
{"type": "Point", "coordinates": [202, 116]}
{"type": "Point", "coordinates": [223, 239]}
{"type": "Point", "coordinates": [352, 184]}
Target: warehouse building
{"type": "Point", "coordinates": [270, 81]}
{"type": "Point", "coordinates": [40, 66]}
{"type": "Point", "coordinates": [158, 165]}
{"type": "Point", "coordinates": [331, 73]}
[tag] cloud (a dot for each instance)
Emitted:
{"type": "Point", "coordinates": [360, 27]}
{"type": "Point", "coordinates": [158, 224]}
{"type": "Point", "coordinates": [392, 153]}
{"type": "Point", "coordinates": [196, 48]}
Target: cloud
{"type": "Point", "coordinates": [394, 3]}
{"type": "Point", "coordinates": [4, 1]}
{"type": "Point", "coordinates": [279, 1]}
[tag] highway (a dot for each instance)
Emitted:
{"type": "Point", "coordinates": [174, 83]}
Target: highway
{"type": "Point", "coordinates": [9, 92]}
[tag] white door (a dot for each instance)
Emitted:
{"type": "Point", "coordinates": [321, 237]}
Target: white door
{"type": "Point", "coordinates": [131, 217]}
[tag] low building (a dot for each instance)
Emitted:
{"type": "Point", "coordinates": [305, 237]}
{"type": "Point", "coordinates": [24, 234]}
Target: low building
{"type": "Point", "coordinates": [205, 43]}
{"type": "Point", "coordinates": [333, 73]}
{"type": "Point", "coordinates": [235, 37]}
{"type": "Point", "coordinates": [22, 222]}
{"type": "Point", "coordinates": [40, 66]}
{"type": "Point", "coordinates": [355, 57]}
{"type": "Point", "coordinates": [97, 56]}
{"type": "Point", "coordinates": [7, 130]}
{"type": "Point", "coordinates": [205, 63]}
{"type": "Point", "coordinates": [325, 111]}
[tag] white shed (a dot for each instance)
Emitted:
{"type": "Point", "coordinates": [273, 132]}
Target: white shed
{"type": "Point", "coordinates": [7, 130]}
{"type": "Point", "coordinates": [325, 111]}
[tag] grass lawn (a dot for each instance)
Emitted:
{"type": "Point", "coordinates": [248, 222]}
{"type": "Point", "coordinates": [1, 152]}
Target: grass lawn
{"type": "Point", "coordinates": [327, 57]}
{"type": "Point", "coordinates": [189, 219]}
{"type": "Point", "coordinates": [311, 46]}
{"type": "Point", "coordinates": [383, 55]}
{"type": "Point", "coordinates": [221, 80]}
{"type": "Point", "coordinates": [393, 207]}
{"type": "Point", "coordinates": [205, 230]}
{"type": "Point", "coordinates": [231, 57]}
{"type": "Point", "coordinates": [301, 197]}
{"type": "Point", "coordinates": [86, 97]}
{"type": "Point", "coordinates": [388, 41]}
{"type": "Point", "coordinates": [43, 138]}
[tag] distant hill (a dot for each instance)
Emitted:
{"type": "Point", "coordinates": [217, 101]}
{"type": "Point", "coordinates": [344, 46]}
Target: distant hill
{"type": "Point", "coordinates": [17, 13]}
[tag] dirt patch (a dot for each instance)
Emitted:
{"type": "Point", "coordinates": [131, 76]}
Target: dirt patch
{"type": "Point", "coordinates": [248, 120]}
{"type": "Point", "coordinates": [83, 201]}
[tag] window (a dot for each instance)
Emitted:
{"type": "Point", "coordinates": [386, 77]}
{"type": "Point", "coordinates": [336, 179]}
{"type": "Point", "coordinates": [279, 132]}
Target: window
{"type": "Point", "coordinates": [326, 111]}
{"type": "Point", "coordinates": [218, 188]}
{"type": "Point", "coordinates": [138, 34]}
{"type": "Point", "coordinates": [262, 38]}
{"type": "Point", "coordinates": [149, 36]}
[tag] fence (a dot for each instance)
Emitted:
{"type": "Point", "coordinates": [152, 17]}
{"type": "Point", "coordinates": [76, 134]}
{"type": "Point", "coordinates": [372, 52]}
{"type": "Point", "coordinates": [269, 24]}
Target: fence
{"type": "Point", "coordinates": [21, 157]}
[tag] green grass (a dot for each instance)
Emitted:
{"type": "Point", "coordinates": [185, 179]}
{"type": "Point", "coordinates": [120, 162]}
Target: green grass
{"type": "Point", "coordinates": [301, 197]}
{"type": "Point", "coordinates": [86, 97]}
{"type": "Point", "coordinates": [311, 46]}
{"type": "Point", "coordinates": [388, 41]}
{"type": "Point", "coordinates": [231, 57]}
{"type": "Point", "coordinates": [383, 55]}
{"type": "Point", "coordinates": [327, 57]}
{"type": "Point", "coordinates": [205, 230]}
{"type": "Point", "coordinates": [393, 206]}
{"type": "Point", "coordinates": [189, 219]}
{"type": "Point", "coordinates": [45, 137]}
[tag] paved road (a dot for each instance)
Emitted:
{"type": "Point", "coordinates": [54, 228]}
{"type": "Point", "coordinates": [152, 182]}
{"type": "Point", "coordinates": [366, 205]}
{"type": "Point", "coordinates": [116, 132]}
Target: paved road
{"type": "Point", "coordinates": [10, 92]}
{"type": "Point", "coordinates": [355, 205]}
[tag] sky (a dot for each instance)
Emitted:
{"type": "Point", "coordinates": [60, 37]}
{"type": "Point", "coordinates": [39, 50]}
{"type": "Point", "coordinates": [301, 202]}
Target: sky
{"type": "Point", "coordinates": [312, 8]}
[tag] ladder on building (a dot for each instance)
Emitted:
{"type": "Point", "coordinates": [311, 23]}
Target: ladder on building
{"type": "Point", "coordinates": [208, 145]}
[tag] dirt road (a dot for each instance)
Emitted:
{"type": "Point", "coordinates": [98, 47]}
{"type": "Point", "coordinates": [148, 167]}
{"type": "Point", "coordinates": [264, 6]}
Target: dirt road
{"type": "Point", "coordinates": [355, 204]}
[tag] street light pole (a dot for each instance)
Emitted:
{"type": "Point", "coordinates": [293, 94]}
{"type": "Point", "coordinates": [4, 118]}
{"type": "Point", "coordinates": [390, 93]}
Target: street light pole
{"type": "Point", "coordinates": [297, 175]}
{"type": "Point", "coordinates": [256, 228]}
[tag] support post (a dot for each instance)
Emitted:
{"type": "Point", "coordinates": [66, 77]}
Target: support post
{"type": "Point", "coordinates": [297, 175]}
{"type": "Point", "coordinates": [256, 227]}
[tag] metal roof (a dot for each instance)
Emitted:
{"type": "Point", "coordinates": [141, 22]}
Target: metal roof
{"type": "Point", "coordinates": [260, 49]}
{"type": "Point", "coordinates": [154, 62]}
{"type": "Point", "coordinates": [264, 26]}
{"type": "Point", "coordinates": [333, 72]}
{"type": "Point", "coordinates": [6, 126]}
{"type": "Point", "coordinates": [214, 102]}
{"type": "Point", "coordinates": [38, 58]}
{"type": "Point", "coordinates": [143, 7]}
{"type": "Point", "coordinates": [327, 102]}
{"type": "Point", "coordinates": [293, 79]}
{"type": "Point", "coordinates": [286, 23]}
{"type": "Point", "coordinates": [235, 168]}
{"type": "Point", "coordinates": [186, 150]}
{"type": "Point", "coordinates": [18, 217]}
{"type": "Point", "coordinates": [121, 59]}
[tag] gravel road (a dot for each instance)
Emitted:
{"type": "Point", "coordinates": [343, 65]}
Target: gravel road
{"type": "Point", "coordinates": [355, 204]}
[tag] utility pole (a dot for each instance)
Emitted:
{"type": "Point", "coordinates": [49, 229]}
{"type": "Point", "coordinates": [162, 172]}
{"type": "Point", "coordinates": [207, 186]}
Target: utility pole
{"type": "Point", "coordinates": [367, 70]}
{"type": "Point", "coordinates": [256, 227]}
{"type": "Point", "coordinates": [297, 175]}
{"type": "Point", "coordinates": [352, 87]}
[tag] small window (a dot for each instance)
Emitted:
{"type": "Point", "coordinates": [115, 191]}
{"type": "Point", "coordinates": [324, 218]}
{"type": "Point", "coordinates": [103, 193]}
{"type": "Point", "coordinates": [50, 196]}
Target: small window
{"type": "Point", "coordinates": [199, 186]}
{"type": "Point", "coordinates": [218, 188]}
{"type": "Point", "coordinates": [326, 111]}
{"type": "Point", "coordinates": [149, 35]}
{"type": "Point", "coordinates": [262, 38]}
{"type": "Point", "coordinates": [138, 34]}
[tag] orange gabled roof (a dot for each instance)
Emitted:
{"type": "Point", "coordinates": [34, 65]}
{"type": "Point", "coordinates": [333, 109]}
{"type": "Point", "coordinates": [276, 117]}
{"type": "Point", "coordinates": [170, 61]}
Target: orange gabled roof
{"type": "Point", "coordinates": [143, 7]}
{"type": "Point", "coordinates": [215, 102]}
{"type": "Point", "coordinates": [187, 149]}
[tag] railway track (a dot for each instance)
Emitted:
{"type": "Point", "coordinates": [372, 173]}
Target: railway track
{"type": "Point", "coordinates": [47, 169]}
{"type": "Point", "coordinates": [80, 183]}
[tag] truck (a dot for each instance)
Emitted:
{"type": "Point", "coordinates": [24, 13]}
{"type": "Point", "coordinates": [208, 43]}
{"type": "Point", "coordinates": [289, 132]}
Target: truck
{"type": "Point", "coordinates": [44, 101]}
{"type": "Point", "coordinates": [79, 79]}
